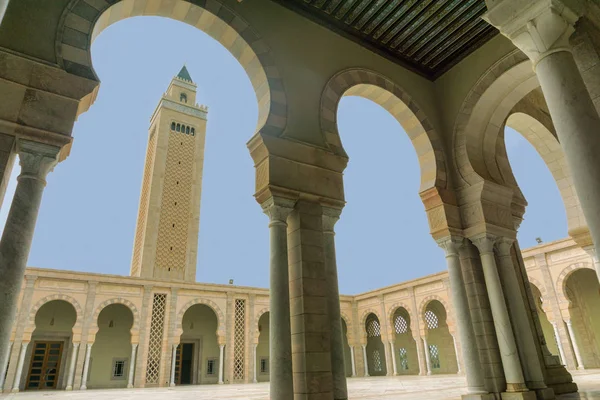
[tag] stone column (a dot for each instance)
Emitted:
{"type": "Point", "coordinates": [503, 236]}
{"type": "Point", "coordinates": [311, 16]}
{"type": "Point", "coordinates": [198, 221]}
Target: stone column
{"type": "Point", "coordinates": [541, 29]}
{"type": "Point", "coordinates": [353, 362]}
{"type": "Point", "coordinates": [511, 364]}
{"type": "Point", "coordinates": [523, 333]}
{"type": "Point", "coordinates": [88, 313]}
{"type": "Point", "coordinates": [254, 380]}
{"type": "Point", "coordinates": [145, 321]}
{"type": "Point", "coordinates": [338, 366]}
{"type": "Point", "coordinates": [364, 349]}
{"type": "Point", "coordinates": [456, 353]}
{"type": "Point", "coordinates": [131, 365]}
{"type": "Point", "coordinates": [427, 355]}
{"type": "Point", "coordinates": [173, 360]}
{"type": "Point", "coordinates": [417, 329]}
{"type": "Point", "coordinates": [72, 367]}
{"type": "Point", "coordinates": [470, 353]}
{"type": "Point", "coordinates": [221, 349]}
{"type": "Point", "coordinates": [20, 365]}
{"type": "Point", "coordinates": [561, 350]}
{"type": "Point", "coordinates": [7, 154]}
{"type": "Point", "coordinates": [36, 160]}
{"type": "Point", "coordinates": [394, 366]}
{"type": "Point", "coordinates": [4, 367]}
{"type": "Point", "coordinates": [575, 346]}
{"type": "Point", "coordinates": [86, 367]}
{"type": "Point", "coordinates": [280, 343]}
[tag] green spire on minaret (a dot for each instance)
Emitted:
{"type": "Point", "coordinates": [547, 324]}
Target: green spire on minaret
{"type": "Point", "coordinates": [184, 74]}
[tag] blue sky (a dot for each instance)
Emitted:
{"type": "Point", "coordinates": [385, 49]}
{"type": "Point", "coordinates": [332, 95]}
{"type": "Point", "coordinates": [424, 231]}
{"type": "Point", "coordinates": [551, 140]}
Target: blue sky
{"type": "Point", "coordinates": [89, 210]}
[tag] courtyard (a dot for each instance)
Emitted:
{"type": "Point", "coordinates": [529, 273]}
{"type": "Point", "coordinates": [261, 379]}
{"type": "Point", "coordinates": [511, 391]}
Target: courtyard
{"type": "Point", "coordinates": [444, 387]}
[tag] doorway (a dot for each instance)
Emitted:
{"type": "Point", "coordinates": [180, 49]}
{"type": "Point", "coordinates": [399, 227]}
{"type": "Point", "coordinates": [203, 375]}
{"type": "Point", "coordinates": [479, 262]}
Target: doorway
{"type": "Point", "coordinates": [184, 364]}
{"type": "Point", "coordinates": [45, 365]}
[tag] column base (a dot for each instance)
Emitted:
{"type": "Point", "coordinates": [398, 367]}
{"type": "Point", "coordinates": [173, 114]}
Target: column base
{"type": "Point", "coordinates": [545, 394]}
{"type": "Point", "coordinates": [69, 388]}
{"type": "Point", "coordinates": [529, 395]}
{"type": "Point", "coordinates": [130, 386]}
{"type": "Point", "coordinates": [172, 385]}
{"type": "Point", "coordinates": [15, 391]}
{"type": "Point", "coordinates": [478, 396]}
{"type": "Point", "coordinates": [220, 383]}
{"type": "Point", "coordinates": [83, 387]}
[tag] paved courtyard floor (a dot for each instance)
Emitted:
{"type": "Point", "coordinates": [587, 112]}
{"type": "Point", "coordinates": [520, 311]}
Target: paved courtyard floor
{"type": "Point", "coordinates": [445, 387]}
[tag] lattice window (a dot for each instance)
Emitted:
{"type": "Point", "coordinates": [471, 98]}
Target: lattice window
{"type": "Point", "coordinates": [156, 338]}
{"type": "Point", "coordinates": [239, 345]}
{"type": "Point", "coordinates": [377, 365]}
{"type": "Point", "coordinates": [373, 328]}
{"type": "Point", "coordinates": [211, 366]}
{"type": "Point", "coordinates": [431, 319]}
{"type": "Point", "coordinates": [400, 324]}
{"type": "Point", "coordinates": [434, 356]}
{"type": "Point", "coordinates": [403, 356]}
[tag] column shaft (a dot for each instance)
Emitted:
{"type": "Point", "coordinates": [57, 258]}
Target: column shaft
{"type": "Point", "coordinates": [36, 161]}
{"type": "Point", "coordinates": [575, 346]}
{"type": "Point", "coordinates": [427, 355]}
{"type": "Point", "coordinates": [338, 366]}
{"type": "Point", "coordinates": [522, 329]}
{"type": "Point", "coordinates": [511, 363]}
{"type": "Point", "coordinates": [86, 366]}
{"type": "Point", "coordinates": [364, 349]}
{"type": "Point", "coordinates": [221, 350]}
{"type": "Point", "coordinates": [577, 127]}
{"type": "Point", "coordinates": [470, 353]}
{"type": "Point", "coordinates": [4, 367]}
{"type": "Point", "coordinates": [254, 362]}
{"type": "Point", "coordinates": [20, 365]}
{"type": "Point", "coordinates": [353, 361]}
{"type": "Point", "coordinates": [561, 350]}
{"type": "Point", "coordinates": [394, 366]}
{"type": "Point", "coordinates": [173, 360]}
{"type": "Point", "coordinates": [131, 365]}
{"type": "Point", "coordinates": [72, 366]}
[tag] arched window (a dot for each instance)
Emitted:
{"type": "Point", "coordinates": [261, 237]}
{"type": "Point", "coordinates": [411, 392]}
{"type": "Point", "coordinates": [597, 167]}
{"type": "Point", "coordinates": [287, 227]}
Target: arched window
{"type": "Point", "coordinates": [431, 319]}
{"type": "Point", "coordinates": [193, 132]}
{"type": "Point", "coordinates": [400, 324]}
{"type": "Point", "coordinates": [187, 130]}
{"type": "Point", "coordinates": [183, 98]}
{"type": "Point", "coordinates": [373, 328]}
{"type": "Point", "coordinates": [178, 128]}
{"type": "Point", "coordinates": [172, 126]}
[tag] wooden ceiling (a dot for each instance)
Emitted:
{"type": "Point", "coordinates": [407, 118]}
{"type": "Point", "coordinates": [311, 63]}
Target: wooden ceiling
{"type": "Point", "coordinates": [427, 36]}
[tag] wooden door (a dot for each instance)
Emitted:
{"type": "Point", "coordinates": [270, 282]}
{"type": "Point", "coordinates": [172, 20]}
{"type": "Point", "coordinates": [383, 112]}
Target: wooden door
{"type": "Point", "coordinates": [44, 368]}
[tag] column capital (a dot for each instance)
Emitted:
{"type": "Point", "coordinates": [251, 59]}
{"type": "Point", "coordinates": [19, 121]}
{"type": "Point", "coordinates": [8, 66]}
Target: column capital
{"type": "Point", "coordinates": [537, 27]}
{"type": "Point", "coordinates": [331, 215]}
{"type": "Point", "coordinates": [451, 245]}
{"type": "Point", "coordinates": [36, 159]}
{"type": "Point", "coordinates": [484, 242]}
{"type": "Point", "coordinates": [504, 245]}
{"type": "Point", "coordinates": [277, 209]}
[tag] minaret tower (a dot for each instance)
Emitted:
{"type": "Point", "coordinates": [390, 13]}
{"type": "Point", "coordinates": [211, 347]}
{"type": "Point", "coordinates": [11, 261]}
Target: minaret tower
{"type": "Point", "coordinates": [166, 235]}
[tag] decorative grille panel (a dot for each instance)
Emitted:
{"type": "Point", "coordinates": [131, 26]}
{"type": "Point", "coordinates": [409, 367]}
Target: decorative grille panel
{"type": "Point", "coordinates": [239, 339]}
{"type": "Point", "coordinates": [434, 356]}
{"type": "Point", "coordinates": [373, 329]}
{"type": "Point", "coordinates": [400, 324]}
{"type": "Point", "coordinates": [377, 361]}
{"type": "Point", "coordinates": [431, 319]}
{"type": "Point", "coordinates": [156, 338]}
{"type": "Point", "coordinates": [403, 358]}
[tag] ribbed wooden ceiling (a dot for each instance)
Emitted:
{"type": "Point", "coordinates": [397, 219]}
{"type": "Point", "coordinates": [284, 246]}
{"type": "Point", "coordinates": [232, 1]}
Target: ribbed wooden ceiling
{"type": "Point", "coordinates": [428, 36]}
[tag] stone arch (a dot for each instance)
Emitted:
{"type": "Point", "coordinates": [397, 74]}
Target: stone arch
{"type": "Point", "coordinates": [350, 331]}
{"type": "Point", "coordinates": [423, 307]}
{"type": "Point", "coordinates": [135, 328]}
{"type": "Point", "coordinates": [544, 299]}
{"type": "Point", "coordinates": [78, 311]}
{"type": "Point", "coordinates": [390, 316]}
{"type": "Point", "coordinates": [257, 317]}
{"type": "Point", "coordinates": [381, 90]}
{"type": "Point", "coordinates": [561, 281]}
{"type": "Point", "coordinates": [363, 321]}
{"type": "Point", "coordinates": [220, 316]}
{"type": "Point", "coordinates": [82, 21]}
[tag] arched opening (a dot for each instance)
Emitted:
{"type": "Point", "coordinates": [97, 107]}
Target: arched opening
{"type": "Point", "coordinates": [262, 349]}
{"type": "Point", "coordinates": [547, 328]}
{"type": "Point", "coordinates": [46, 360]}
{"type": "Point", "coordinates": [197, 356]}
{"type": "Point", "coordinates": [347, 352]}
{"type": "Point", "coordinates": [581, 289]}
{"type": "Point", "coordinates": [407, 361]}
{"type": "Point", "coordinates": [111, 352]}
{"type": "Point", "coordinates": [376, 361]}
{"type": "Point", "coordinates": [440, 344]}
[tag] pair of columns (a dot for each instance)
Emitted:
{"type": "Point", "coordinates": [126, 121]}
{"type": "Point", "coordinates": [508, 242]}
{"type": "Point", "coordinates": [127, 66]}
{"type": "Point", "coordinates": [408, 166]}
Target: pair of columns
{"type": "Point", "coordinates": [281, 372]}
{"type": "Point", "coordinates": [172, 382]}
{"type": "Point", "coordinates": [520, 362]}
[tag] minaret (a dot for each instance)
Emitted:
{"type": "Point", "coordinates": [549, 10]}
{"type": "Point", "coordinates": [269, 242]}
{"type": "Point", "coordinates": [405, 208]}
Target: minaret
{"type": "Point", "coordinates": [166, 235]}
